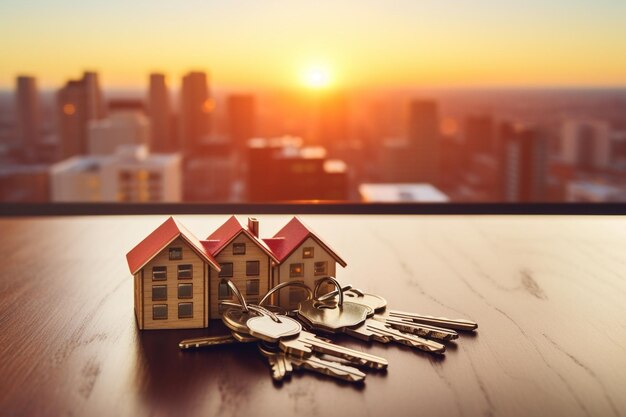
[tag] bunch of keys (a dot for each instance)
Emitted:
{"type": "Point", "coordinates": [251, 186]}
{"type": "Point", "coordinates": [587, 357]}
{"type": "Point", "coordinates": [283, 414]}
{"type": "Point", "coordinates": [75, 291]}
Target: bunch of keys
{"type": "Point", "coordinates": [285, 344]}
{"type": "Point", "coordinates": [440, 328]}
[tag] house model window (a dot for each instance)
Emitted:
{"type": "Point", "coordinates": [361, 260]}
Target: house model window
{"type": "Point", "coordinates": [159, 292]}
{"type": "Point", "coordinates": [253, 268]}
{"type": "Point", "coordinates": [296, 270]}
{"type": "Point", "coordinates": [307, 252]}
{"type": "Point", "coordinates": [252, 287]}
{"type": "Point", "coordinates": [239, 248]}
{"type": "Point", "coordinates": [185, 290]}
{"type": "Point", "coordinates": [185, 310]}
{"type": "Point", "coordinates": [176, 254]}
{"type": "Point", "coordinates": [320, 268]}
{"type": "Point", "coordinates": [185, 271]}
{"type": "Point", "coordinates": [159, 273]}
{"type": "Point", "coordinates": [159, 312]}
{"type": "Point", "coordinates": [227, 270]}
{"type": "Point", "coordinates": [223, 291]}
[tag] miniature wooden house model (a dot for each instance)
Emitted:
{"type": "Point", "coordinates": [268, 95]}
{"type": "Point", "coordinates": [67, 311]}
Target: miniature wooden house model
{"type": "Point", "coordinates": [179, 280]}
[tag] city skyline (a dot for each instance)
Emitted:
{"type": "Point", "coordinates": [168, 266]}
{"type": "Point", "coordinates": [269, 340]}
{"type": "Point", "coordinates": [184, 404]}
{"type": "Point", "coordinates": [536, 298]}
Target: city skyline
{"type": "Point", "coordinates": [273, 44]}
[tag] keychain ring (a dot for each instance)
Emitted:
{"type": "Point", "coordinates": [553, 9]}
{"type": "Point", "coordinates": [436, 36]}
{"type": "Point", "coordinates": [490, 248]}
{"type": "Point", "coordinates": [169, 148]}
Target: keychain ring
{"type": "Point", "coordinates": [282, 285]}
{"type": "Point", "coordinates": [264, 312]}
{"type": "Point", "coordinates": [335, 283]}
{"type": "Point", "coordinates": [237, 293]}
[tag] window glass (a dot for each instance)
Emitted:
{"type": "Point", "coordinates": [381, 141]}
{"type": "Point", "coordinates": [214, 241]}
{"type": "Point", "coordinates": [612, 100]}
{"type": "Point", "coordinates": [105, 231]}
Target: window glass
{"type": "Point", "coordinates": [185, 290]}
{"type": "Point", "coordinates": [176, 254]}
{"type": "Point", "coordinates": [227, 270]}
{"type": "Point", "coordinates": [185, 310]}
{"type": "Point", "coordinates": [296, 270]}
{"type": "Point", "coordinates": [239, 248]}
{"type": "Point", "coordinates": [159, 312]}
{"type": "Point", "coordinates": [307, 252]}
{"type": "Point", "coordinates": [185, 271]}
{"type": "Point", "coordinates": [223, 291]}
{"type": "Point", "coordinates": [321, 268]}
{"type": "Point", "coordinates": [252, 287]}
{"type": "Point", "coordinates": [253, 267]}
{"type": "Point", "coordinates": [159, 273]}
{"type": "Point", "coordinates": [159, 292]}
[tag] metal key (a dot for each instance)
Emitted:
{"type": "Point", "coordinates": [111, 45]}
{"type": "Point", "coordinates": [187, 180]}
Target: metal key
{"type": "Point", "coordinates": [422, 330]}
{"type": "Point", "coordinates": [226, 339]}
{"type": "Point", "coordinates": [306, 344]}
{"type": "Point", "coordinates": [330, 318]}
{"type": "Point", "coordinates": [282, 364]}
{"type": "Point", "coordinates": [374, 330]}
{"type": "Point", "coordinates": [379, 305]}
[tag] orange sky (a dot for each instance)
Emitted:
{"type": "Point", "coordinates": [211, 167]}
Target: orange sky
{"type": "Point", "coordinates": [363, 43]}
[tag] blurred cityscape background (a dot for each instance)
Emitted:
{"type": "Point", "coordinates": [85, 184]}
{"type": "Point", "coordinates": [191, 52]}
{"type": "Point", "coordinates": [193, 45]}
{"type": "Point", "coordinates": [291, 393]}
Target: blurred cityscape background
{"type": "Point", "coordinates": [192, 138]}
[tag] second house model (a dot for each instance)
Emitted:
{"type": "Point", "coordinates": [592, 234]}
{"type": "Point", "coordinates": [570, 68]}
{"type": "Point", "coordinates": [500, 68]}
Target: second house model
{"type": "Point", "coordinates": [179, 280]}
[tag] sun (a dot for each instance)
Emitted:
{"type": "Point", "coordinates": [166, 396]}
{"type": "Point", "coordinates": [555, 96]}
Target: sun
{"type": "Point", "coordinates": [317, 77]}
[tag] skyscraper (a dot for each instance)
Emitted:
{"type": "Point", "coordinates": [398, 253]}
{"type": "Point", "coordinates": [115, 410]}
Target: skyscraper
{"type": "Point", "coordinates": [586, 144]}
{"type": "Point", "coordinates": [28, 116]}
{"type": "Point", "coordinates": [160, 115]}
{"type": "Point", "coordinates": [424, 141]}
{"type": "Point", "coordinates": [196, 109]}
{"type": "Point", "coordinates": [77, 103]}
{"type": "Point", "coordinates": [241, 120]}
{"type": "Point", "coordinates": [479, 135]}
{"type": "Point", "coordinates": [524, 162]}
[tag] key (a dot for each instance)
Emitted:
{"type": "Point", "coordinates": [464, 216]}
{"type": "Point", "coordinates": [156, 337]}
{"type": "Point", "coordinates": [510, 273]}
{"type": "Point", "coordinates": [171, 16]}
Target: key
{"type": "Point", "coordinates": [281, 363]}
{"type": "Point", "coordinates": [374, 330]}
{"type": "Point", "coordinates": [306, 344]}
{"type": "Point", "coordinates": [273, 328]}
{"type": "Point", "coordinates": [422, 330]}
{"type": "Point", "coordinates": [455, 324]}
{"type": "Point", "coordinates": [329, 316]}
{"type": "Point", "coordinates": [226, 339]}
{"type": "Point", "coordinates": [379, 305]}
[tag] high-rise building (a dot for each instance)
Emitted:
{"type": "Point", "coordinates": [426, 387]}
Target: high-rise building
{"type": "Point", "coordinates": [524, 163]}
{"type": "Point", "coordinates": [423, 151]}
{"type": "Point", "coordinates": [479, 135]}
{"type": "Point", "coordinates": [126, 127]}
{"type": "Point", "coordinates": [586, 144]}
{"type": "Point", "coordinates": [129, 175]}
{"type": "Point", "coordinates": [195, 114]}
{"type": "Point", "coordinates": [241, 120]}
{"type": "Point", "coordinates": [77, 103]}
{"type": "Point", "coordinates": [28, 116]}
{"type": "Point", "coordinates": [160, 115]}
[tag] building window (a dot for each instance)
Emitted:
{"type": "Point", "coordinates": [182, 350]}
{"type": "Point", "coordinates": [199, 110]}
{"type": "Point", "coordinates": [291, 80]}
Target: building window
{"type": "Point", "coordinates": [296, 295]}
{"type": "Point", "coordinates": [159, 292]}
{"type": "Point", "coordinates": [185, 310]}
{"type": "Point", "coordinates": [185, 290]}
{"type": "Point", "coordinates": [296, 270]}
{"type": "Point", "coordinates": [227, 270]}
{"type": "Point", "coordinates": [176, 254]}
{"type": "Point", "coordinates": [253, 267]}
{"type": "Point", "coordinates": [320, 268]}
{"type": "Point", "coordinates": [252, 287]}
{"type": "Point", "coordinates": [223, 291]}
{"type": "Point", "coordinates": [159, 273]}
{"type": "Point", "coordinates": [159, 312]}
{"type": "Point", "coordinates": [307, 252]}
{"type": "Point", "coordinates": [239, 248]}
{"type": "Point", "coordinates": [185, 271]}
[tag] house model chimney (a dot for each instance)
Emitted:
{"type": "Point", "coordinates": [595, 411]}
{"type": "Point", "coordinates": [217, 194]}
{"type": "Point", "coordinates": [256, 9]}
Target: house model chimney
{"type": "Point", "coordinates": [253, 226]}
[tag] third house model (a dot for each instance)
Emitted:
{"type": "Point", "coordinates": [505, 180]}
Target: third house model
{"type": "Point", "coordinates": [179, 279]}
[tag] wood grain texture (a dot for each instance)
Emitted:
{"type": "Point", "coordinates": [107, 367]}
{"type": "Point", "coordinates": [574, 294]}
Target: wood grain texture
{"type": "Point", "coordinates": [548, 293]}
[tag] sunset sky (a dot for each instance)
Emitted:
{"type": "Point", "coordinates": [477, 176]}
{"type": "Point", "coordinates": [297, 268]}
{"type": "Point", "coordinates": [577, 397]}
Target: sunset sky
{"type": "Point", "coordinates": [359, 43]}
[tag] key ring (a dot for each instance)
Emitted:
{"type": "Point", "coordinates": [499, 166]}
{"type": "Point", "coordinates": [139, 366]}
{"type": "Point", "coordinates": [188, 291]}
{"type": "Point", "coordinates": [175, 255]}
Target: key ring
{"type": "Point", "coordinates": [237, 293]}
{"type": "Point", "coordinates": [286, 284]}
{"type": "Point", "coordinates": [335, 283]}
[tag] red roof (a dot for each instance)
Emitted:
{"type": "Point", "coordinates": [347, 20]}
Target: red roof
{"type": "Point", "coordinates": [290, 237]}
{"type": "Point", "coordinates": [154, 243]}
{"type": "Point", "coordinates": [226, 233]}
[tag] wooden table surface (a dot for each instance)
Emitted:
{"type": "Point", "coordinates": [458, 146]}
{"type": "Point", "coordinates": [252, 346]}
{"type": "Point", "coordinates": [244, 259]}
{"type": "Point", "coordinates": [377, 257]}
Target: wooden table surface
{"type": "Point", "coordinates": [548, 292]}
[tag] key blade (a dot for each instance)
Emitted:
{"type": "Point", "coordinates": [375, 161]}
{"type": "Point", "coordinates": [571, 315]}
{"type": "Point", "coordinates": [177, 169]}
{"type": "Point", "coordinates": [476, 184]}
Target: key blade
{"type": "Point", "coordinates": [422, 330]}
{"type": "Point", "coordinates": [455, 324]}
{"type": "Point", "coordinates": [199, 342]}
{"type": "Point", "coordinates": [328, 368]}
{"type": "Point", "coordinates": [306, 343]}
{"type": "Point", "coordinates": [378, 331]}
